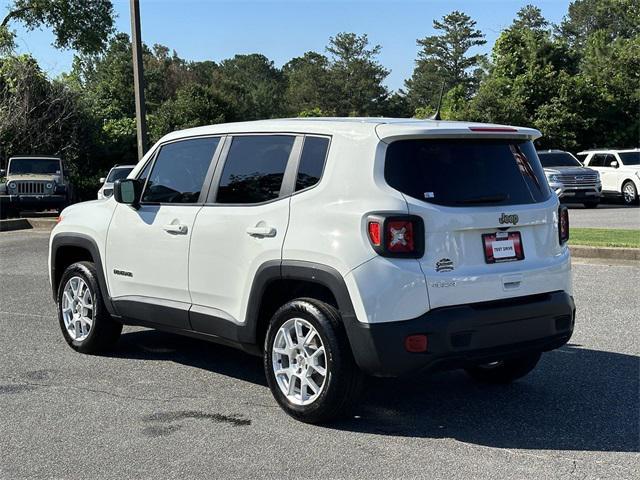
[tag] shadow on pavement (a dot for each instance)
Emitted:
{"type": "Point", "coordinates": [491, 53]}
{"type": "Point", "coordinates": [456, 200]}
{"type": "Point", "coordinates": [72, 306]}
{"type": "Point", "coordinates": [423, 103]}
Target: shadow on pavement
{"type": "Point", "coordinates": [576, 399]}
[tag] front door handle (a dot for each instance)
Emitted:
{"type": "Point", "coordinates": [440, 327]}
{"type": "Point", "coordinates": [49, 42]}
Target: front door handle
{"type": "Point", "coordinates": [176, 228]}
{"type": "Point", "coordinates": [262, 231]}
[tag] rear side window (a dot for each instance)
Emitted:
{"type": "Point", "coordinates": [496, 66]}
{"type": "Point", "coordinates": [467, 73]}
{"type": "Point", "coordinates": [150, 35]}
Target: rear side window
{"type": "Point", "coordinates": [467, 172]}
{"type": "Point", "coordinates": [179, 171]}
{"type": "Point", "coordinates": [254, 168]}
{"type": "Point", "coordinates": [314, 154]}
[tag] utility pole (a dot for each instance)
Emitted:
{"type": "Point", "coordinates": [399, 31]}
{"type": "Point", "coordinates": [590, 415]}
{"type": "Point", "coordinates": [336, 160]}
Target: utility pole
{"type": "Point", "coordinates": [138, 78]}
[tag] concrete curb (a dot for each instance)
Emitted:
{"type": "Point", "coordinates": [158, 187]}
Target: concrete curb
{"type": "Point", "coordinates": [12, 224]}
{"type": "Point", "coordinates": [609, 253]}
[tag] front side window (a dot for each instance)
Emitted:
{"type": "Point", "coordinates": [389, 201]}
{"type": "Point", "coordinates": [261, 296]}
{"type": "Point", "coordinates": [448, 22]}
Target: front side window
{"type": "Point", "coordinates": [179, 171]}
{"type": "Point", "coordinates": [314, 154]}
{"type": "Point", "coordinates": [597, 161]}
{"type": "Point", "coordinates": [467, 172]}
{"type": "Point", "coordinates": [254, 168]}
{"type": "Point", "coordinates": [608, 161]}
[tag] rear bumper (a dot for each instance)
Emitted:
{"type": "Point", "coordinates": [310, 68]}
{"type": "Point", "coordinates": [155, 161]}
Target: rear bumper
{"type": "Point", "coordinates": [465, 334]}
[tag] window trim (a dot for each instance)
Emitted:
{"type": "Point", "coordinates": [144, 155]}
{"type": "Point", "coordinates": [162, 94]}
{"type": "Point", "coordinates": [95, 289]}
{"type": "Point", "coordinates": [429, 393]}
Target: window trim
{"type": "Point", "coordinates": [290, 172]}
{"type": "Point", "coordinates": [324, 164]}
{"type": "Point", "coordinates": [207, 178]}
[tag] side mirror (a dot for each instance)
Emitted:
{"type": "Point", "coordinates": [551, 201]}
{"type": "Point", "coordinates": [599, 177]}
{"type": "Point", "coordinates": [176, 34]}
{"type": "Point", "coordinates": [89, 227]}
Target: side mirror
{"type": "Point", "coordinates": [3, 172]}
{"type": "Point", "coordinates": [128, 192]}
{"type": "Point", "coordinates": [614, 164]}
{"type": "Point", "coordinates": [102, 180]}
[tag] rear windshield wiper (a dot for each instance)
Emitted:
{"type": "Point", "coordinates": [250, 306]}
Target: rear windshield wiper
{"type": "Point", "coordinates": [501, 197]}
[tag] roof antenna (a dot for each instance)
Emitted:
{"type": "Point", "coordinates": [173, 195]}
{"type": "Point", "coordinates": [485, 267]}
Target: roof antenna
{"type": "Point", "coordinates": [436, 116]}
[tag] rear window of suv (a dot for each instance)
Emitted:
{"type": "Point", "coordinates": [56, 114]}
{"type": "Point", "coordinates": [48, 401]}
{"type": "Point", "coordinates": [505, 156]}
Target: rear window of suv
{"type": "Point", "coordinates": [467, 172]}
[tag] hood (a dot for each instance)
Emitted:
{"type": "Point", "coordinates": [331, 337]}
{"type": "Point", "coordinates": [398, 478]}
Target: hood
{"type": "Point", "coordinates": [569, 170]}
{"type": "Point", "coordinates": [42, 177]}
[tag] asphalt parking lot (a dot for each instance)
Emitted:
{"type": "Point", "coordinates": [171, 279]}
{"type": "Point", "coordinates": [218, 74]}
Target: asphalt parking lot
{"type": "Point", "coordinates": [162, 406]}
{"type": "Point", "coordinates": [607, 215]}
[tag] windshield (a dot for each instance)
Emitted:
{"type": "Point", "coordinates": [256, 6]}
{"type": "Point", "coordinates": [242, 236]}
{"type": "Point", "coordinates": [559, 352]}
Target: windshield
{"type": "Point", "coordinates": [118, 174]}
{"type": "Point", "coordinates": [558, 159]}
{"type": "Point", "coordinates": [47, 166]}
{"type": "Point", "coordinates": [630, 158]}
{"type": "Point", "coordinates": [467, 172]}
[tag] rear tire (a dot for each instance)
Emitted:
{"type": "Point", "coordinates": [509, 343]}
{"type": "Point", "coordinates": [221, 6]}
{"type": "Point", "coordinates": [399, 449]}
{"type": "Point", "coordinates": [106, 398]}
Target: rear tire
{"type": "Point", "coordinates": [629, 193]}
{"type": "Point", "coordinates": [85, 322]}
{"type": "Point", "coordinates": [505, 371]}
{"type": "Point", "coordinates": [318, 379]}
{"type": "Point", "coordinates": [591, 204]}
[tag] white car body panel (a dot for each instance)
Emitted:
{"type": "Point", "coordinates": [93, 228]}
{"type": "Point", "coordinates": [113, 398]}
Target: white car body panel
{"type": "Point", "coordinates": [214, 264]}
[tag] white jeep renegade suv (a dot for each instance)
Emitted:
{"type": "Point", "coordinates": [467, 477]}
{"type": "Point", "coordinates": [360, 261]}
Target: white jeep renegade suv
{"type": "Point", "coordinates": [333, 247]}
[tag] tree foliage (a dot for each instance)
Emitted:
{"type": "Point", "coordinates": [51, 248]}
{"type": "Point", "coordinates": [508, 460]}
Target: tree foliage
{"type": "Point", "coordinates": [445, 58]}
{"type": "Point", "coordinates": [578, 82]}
{"type": "Point", "coordinates": [82, 25]}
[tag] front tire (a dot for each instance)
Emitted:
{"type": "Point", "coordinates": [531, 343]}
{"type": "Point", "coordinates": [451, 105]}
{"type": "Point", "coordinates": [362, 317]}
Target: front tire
{"type": "Point", "coordinates": [308, 362]}
{"type": "Point", "coordinates": [504, 371]}
{"type": "Point", "coordinates": [85, 322]}
{"type": "Point", "coordinates": [629, 193]}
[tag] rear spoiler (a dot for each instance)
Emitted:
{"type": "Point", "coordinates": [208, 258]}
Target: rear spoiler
{"type": "Point", "coordinates": [388, 132]}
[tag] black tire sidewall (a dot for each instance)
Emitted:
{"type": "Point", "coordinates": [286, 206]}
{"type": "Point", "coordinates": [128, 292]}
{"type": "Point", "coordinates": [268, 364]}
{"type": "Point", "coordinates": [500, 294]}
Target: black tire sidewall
{"type": "Point", "coordinates": [334, 384]}
{"type": "Point", "coordinates": [86, 271]}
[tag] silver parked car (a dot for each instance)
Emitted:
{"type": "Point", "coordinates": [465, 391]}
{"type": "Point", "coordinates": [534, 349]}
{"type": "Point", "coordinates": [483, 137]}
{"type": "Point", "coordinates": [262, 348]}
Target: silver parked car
{"type": "Point", "coordinates": [572, 182]}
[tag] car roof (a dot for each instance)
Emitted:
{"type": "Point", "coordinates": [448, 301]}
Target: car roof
{"type": "Point", "coordinates": [608, 150]}
{"type": "Point", "coordinates": [122, 166]}
{"type": "Point", "coordinates": [384, 128]}
{"type": "Point", "coordinates": [551, 151]}
{"type": "Point", "coordinates": [47, 157]}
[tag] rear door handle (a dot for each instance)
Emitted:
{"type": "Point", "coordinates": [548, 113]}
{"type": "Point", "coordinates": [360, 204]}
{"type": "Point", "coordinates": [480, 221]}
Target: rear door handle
{"type": "Point", "coordinates": [261, 231]}
{"type": "Point", "coordinates": [176, 228]}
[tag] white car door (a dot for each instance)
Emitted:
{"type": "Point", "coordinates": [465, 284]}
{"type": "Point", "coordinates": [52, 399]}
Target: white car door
{"type": "Point", "coordinates": [241, 227]}
{"type": "Point", "coordinates": [147, 250]}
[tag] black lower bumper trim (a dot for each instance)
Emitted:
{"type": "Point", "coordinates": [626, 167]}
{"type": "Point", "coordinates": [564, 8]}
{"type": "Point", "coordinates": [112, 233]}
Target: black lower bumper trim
{"type": "Point", "coordinates": [465, 334]}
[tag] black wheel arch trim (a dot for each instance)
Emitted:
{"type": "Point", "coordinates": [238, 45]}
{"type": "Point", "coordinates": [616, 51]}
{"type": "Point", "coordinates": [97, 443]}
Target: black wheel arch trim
{"type": "Point", "coordinates": [274, 270]}
{"type": "Point", "coordinates": [85, 242]}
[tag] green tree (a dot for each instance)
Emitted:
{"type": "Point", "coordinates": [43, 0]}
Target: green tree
{"type": "Point", "coordinates": [356, 76]}
{"type": "Point", "coordinates": [253, 86]}
{"type": "Point", "coordinates": [194, 105]}
{"type": "Point", "coordinates": [83, 25]}
{"type": "Point", "coordinates": [616, 18]}
{"type": "Point", "coordinates": [445, 57]}
{"type": "Point", "coordinates": [40, 116]}
{"type": "Point", "coordinates": [309, 86]}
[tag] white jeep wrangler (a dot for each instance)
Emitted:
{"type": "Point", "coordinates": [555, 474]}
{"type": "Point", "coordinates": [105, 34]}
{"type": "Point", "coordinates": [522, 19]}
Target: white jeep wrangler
{"type": "Point", "coordinates": [334, 248]}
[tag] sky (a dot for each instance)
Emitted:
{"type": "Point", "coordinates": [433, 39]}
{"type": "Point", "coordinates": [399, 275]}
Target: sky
{"type": "Point", "coordinates": [281, 30]}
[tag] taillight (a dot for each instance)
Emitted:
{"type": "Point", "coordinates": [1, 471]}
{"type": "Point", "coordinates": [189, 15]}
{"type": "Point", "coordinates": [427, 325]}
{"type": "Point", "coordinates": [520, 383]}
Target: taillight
{"type": "Point", "coordinates": [563, 224]}
{"type": "Point", "coordinates": [396, 236]}
{"type": "Point", "coordinates": [399, 236]}
{"type": "Point", "coordinates": [374, 233]}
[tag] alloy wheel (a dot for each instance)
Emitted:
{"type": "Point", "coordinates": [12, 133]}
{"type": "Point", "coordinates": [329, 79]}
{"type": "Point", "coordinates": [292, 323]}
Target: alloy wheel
{"type": "Point", "coordinates": [299, 361]}
{"type": "Point", "coordinates": [77, 308]}
{"type": "Point", "coordinates": [629, 193]}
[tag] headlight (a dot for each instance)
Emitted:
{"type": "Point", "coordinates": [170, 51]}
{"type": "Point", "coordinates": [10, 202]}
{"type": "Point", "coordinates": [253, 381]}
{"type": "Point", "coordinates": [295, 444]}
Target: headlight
{"type": "Point", "coordinates": [553, 178]}
{"type": "Point", "coordinates": [11, 185]}
{"type": "Point", "coordinates": [49, 186]}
